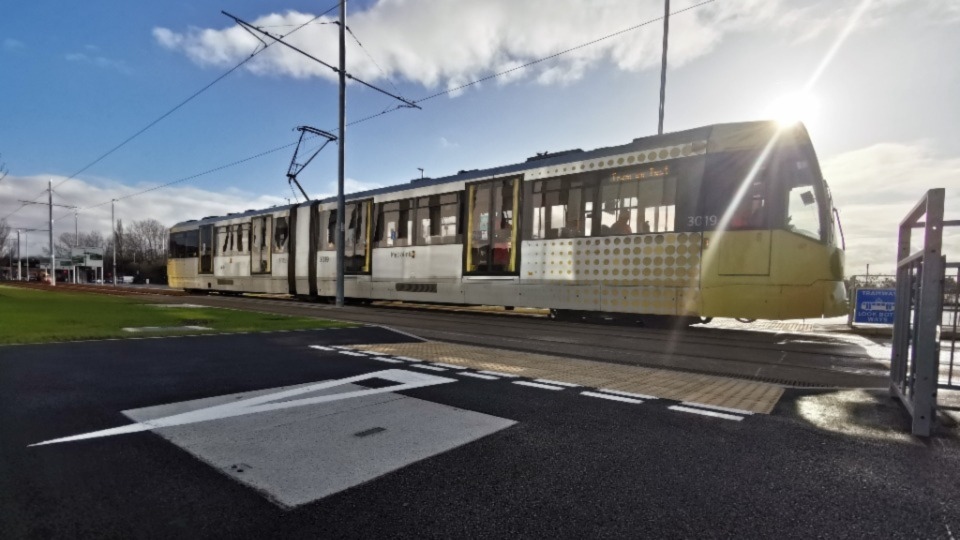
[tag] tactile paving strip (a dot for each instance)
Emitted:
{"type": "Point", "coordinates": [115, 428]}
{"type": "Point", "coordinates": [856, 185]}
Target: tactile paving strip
{"type": "Point", "coordinates": [750, 396]}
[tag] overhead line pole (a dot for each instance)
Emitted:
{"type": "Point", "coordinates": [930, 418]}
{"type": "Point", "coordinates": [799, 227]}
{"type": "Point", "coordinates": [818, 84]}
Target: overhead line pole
{"type": "Point", "coordinates": [341, 206]}
{"type": "Point", "coordinates": [53, 255]}
{"type": "Point", "coordinates": [113, 221]}
{"type": "Point", "coordinates": [663, 64]}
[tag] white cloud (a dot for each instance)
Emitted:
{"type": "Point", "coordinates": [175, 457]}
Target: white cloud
{"type": "Point", "coordinates": [99, 61]}
{"type": "Point", "coordinates": [445, 44]}
{"type": "Point", "coordinates": [875, 187]}
{"type": "Point", "coordinates": [168, 206]}
{"type": "Point", "coordinates": [446, 143]}
{"type": "Point", "coordinates": [10, 44]}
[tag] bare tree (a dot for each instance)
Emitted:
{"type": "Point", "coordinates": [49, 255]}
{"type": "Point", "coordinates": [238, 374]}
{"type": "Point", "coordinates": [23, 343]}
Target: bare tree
{"type": "Point", "coordinates": [4, 236]}
{"type": "Point", "coordinates": [147, 240]}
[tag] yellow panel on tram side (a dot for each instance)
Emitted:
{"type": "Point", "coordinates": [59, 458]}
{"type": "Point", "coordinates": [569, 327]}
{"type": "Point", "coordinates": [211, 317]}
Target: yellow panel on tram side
{"type": "Point", "coordinates": [805, 279]}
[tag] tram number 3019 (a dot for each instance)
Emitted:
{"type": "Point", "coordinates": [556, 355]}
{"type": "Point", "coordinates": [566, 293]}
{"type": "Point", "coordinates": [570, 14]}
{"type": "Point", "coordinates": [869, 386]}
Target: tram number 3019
{"type": "Point", "coordinates": [700, 221]}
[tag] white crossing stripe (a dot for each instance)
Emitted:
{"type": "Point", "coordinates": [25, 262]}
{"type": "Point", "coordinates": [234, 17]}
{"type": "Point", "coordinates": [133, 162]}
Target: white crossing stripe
{"type": "Point", "coordinates": [558, 383]}
{"type": "Point", "coordinates": [499, 374]}
{"type": "Point", "coordinates": [320, 348]}
{"type": "Point", "coordinates": [431, 368]}
{"type": "Point", "coordinates": [706, 413]}
{"type": "Point", "coordinates": [387, 360]}
{"type": "Point", "coordinates": [478, 376]}
{"type": "Point", "coordinates": [716, 408]}
{"type": "Point", "coordinates": [375, 353]}
{"type": "Point", "coordinates": [408, 359]}
{"type": "Point", "coordinates": [628, 394]}
{"type": "Point", "coordinates": [538, 385]}
{"type": "Point", "coordinates": [348, 353]}
{"type": "Point", "coordinates": [611, 397]}
{"type": "Point", "coordinates": [450, 366]}
{"type": "Point", "coordinates": [274, 401]}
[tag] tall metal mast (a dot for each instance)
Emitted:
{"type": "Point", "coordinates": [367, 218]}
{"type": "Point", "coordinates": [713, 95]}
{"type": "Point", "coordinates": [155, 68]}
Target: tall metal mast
{"type": "Point", "coordinates": [663, 63]}
{"type": "Point", "coordinates": [341, 237]}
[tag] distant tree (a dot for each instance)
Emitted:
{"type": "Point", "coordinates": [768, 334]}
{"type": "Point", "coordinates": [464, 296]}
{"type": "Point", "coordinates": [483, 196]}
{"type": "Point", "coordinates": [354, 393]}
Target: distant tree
{"type": "Point", "coordinates": [147, 240]}
{"type": "Point", "coordinates": [4, 236]}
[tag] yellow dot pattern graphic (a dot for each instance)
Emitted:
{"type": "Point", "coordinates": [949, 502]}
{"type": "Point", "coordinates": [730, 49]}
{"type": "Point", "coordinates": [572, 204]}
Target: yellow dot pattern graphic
{"type": "Point", "coordinates": [630, 158]}
{"type": "Point", "coordinates": [649, 273]}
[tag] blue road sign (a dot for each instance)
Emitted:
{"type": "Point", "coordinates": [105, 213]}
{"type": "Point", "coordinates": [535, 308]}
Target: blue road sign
{"type": "Point", "coordinates": [875, 306]}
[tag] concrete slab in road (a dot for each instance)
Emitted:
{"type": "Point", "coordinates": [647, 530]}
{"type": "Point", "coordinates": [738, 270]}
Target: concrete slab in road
{"type": "Point", "coordinates": [298, 454]}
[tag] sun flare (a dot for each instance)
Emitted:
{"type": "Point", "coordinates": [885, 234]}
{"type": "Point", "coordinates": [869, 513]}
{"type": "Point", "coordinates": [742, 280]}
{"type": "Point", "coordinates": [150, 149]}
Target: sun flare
{"type": "Point", "coordinates": [793, 108]}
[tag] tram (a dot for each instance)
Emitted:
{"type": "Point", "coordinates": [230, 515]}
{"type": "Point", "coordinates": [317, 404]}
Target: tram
{"type": "Point", "coordinates": [728, 220]}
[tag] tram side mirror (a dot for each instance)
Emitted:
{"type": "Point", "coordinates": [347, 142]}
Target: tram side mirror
{"type": "Point", "coordinates": [807, 198]}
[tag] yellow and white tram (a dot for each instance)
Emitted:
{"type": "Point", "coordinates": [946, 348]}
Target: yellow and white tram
{"type": "Point", "coordinates": [730, 220]}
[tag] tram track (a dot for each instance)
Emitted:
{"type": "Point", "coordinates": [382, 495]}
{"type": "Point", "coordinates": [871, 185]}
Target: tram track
{"type": "Point", "coordinates": [814, 361]}
{"type": "Point", "coordinates": [749, 355]}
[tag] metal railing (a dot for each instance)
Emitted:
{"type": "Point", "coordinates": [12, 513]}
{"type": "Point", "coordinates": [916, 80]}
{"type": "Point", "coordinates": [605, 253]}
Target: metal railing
{"type": "Point", "coordinates": [926, 318]}
{"type": "Point", "coordinates": [915, 359]}
{"type": "Point", "coordinates": [949, 371]}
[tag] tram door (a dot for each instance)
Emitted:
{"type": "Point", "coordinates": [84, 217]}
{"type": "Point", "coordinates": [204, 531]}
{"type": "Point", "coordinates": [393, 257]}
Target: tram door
{"type": "Point", "coordinates": [491, 227]}
{"type": "Point", "coordinates": [261, 232]}
{"type": "Point", "coordinates": [206, 249]}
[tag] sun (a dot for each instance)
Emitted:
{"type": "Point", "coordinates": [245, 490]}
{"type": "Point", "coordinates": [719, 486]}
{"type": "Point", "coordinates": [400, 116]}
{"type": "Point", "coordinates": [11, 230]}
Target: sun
{"type": "Point", "coordinates": [794, 108]}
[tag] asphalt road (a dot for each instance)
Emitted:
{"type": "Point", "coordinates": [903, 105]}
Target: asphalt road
{"type": "Point", "coordinates": [825, 464]}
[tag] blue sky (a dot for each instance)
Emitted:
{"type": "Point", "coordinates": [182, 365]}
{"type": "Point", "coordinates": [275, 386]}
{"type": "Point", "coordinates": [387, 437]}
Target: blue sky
{"type": "Point", "coordinates": [80, 78]}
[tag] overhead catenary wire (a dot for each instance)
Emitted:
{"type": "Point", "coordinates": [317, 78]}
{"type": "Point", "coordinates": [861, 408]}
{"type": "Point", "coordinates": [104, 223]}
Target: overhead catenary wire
{"type": "Point", "coordinates": [427, 98]}
{"type": "Point", "coordinates": [171, 111]}
{"type": "Point", "coordinates": [370, 56]}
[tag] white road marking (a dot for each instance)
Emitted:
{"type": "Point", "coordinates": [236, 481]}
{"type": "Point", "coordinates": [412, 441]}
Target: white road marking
{"type": "Point", "coordinates": [706, 413]}
{"type": "Point", "coordinates": [401, 332]}
{"type": "Point", "coordinates": [499, 374]}
{"type": "Point", "coordinates": [408, 359]}
{"type": "Point", "coordinates": [320, 348]}
{"type": "Point", "coordinates": [349, 353]}
{"type": "Point", "coordinates": [431, 368]}
{"type": "Point", "coordinates": [387, 360]}
{"type": "Point", "coordinates": [375, 353]}
{"type": "Point", "coordinates": [538, 385]}
{"type": "Point", "coordinates": [628, 394]}
{"type": "Point", "coordinates": [611, 397]}
{"type": "Point", "coordinates": [450, 366]}
{"type": "Point", "coordinates": [478, 376]}
{"type": "Point", "coordinates": [716, 408]}
{"type": "Point", "coordinates": [558, 383]}
{"type": "Point", "coordinates": [406, 380]}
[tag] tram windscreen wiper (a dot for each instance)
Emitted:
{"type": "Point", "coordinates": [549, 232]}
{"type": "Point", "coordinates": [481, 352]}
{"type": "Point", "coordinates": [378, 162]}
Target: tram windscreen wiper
{"type": "Point", "coordinates": [843, 241]}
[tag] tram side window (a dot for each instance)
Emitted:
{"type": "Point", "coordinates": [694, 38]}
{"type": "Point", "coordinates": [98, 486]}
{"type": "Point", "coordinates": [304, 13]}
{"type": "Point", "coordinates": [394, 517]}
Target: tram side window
{"type": "Point", "coordinates": [184, 245]}
{"type": "Point", "coordinates": [803, 214]}
{"type": "Point", "coordinates": [331, 235]}
{"type": "Point", "coordinates": [395, 224]}
{"type": "Point", "coordinates": [225, 239]}
{"type": "Point", "coordinates": [281, 233]}
{"type": "Point", "coordinates": [639, 200]}
{"type": "Point", "coordinates": [559, 208]}
{"type": "Point", "coordinates": [243, 237]}
{"type": "Point", "coordinates": [437, 219]}
{"type": "Point", "coordinates": [724, 176]}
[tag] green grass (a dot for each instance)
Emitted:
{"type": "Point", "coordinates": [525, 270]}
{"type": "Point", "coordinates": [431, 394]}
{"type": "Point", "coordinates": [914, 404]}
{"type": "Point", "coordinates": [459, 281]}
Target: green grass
{"type": "Point", "coordinates": [40, 316]}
